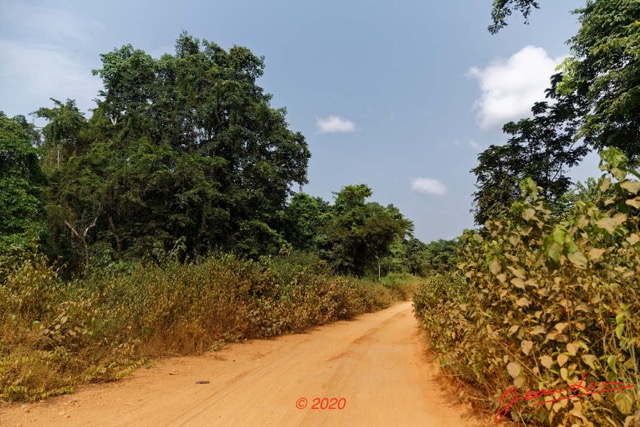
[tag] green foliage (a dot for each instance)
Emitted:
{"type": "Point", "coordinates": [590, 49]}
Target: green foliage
{"type": "Point", "coordinates": [540, 148]}
{"type": "Point", "coordinates": [502, 9]}
{"type": "Point", "coordinates": [56, 334]}
{"type": "Point", "coordinates": [62, 135]}
{"type": "Point", "coordinates": [549, 299]}
{"type": "Point", "coordinates": [442, 256]}
{"type": "Point", "coordinates": [604, 72]}
{"type": "Point", "coordinates": [181, 148]}
{"type": "Point", "coordinates": [21, 179]}
{"type": "Point", "coordinates": [359, 234]}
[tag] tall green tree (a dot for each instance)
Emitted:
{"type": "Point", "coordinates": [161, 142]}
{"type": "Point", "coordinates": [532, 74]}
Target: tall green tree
{"type": "Point", "coordinates": [22, 217]}
{"type": "Point", "coordinates": [604, 72]}
{"type": "Point", "coordinates": [361, 233]}
{"type": "Point", "coordinates": [62, 132]}
{"type": "Point", "coordinates": [306, 217]}
{"type": "Point", "coordinates": [541, 148]}
{"type": "Point", "coordinates": [185, 148]}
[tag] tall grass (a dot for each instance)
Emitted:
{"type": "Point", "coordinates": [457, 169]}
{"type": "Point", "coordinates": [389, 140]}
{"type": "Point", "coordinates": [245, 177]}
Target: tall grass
{"type": "Point", "coordinates": [55, 334]}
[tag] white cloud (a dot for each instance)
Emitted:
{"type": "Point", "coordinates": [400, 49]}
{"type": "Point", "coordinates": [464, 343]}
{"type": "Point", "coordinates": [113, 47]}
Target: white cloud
{"type": "Point", "coordinates": [511, 87]}
{"type": "Point", "coordinates": [335, 124]}
{"type": "Point", "coordinates": [428, 186]}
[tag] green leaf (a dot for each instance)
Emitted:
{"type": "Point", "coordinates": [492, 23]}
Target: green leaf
{"type": "Point", "coordinates": [619, 330]}
{"type": "Point", "coordinates": [554, 252]}
{"type": "Point", "coordinates": [624, 403]}
{"type": "Point", "coordinates": [559, 235]}
{"type": "Point", "coordinates": [590, 360]}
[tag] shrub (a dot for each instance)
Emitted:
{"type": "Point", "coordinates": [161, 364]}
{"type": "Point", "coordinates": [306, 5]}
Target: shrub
{"type": "Point", "coordinates": [55, 334]}
{"type": "Point", "coordinates": [551, 302]}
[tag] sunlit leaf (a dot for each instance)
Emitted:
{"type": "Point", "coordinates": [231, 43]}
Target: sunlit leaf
{"type": "Point", "coordinates": [573, 348]}
{"type": "Point", "coordinates": [562, 359]}
{"type": "Point", "coordinates": [528, 214]}
{"type": "Point", "coordinates": [590, 360]}
{"type": "Point", "coordinates": [578, 259]}
{"type": "Point", "coordinates": [518, 283]}
{"type": "Point", "coordinates": [495, 267]}
{"type": "Point", "coordinates": [546, 361]}
{"type": "Point", "coordinates": [608, 224]}
{"type": "Point", "coordinates": [631, 186]}
{"type": "Point", "coordinates": [595, 253]}
{"type": "Point", "coordinates": [514, 369]}
{"type": "Point", "coordinates": [634, 202]}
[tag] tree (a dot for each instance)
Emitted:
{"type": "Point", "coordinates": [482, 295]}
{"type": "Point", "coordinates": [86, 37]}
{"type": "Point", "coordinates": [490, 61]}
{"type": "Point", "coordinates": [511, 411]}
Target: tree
{"type": "Point", "coordinates": [22, 219]}
{"type": "Point", "coordinates": [185, 148]}
{"type": "Point", "coordinates": [62, 133]}
{"type": "Point", "coordinates": [359, 234]}
{"type": "Point", "coordinates": [442, 255]}
{"type": "Point", "coordinates": [604, 72]}
{"type": "Point", "coordinates": [502, 9]}
{"type": "Point", "coordinates": [541, 148]}
{"type": "Point", "coordinates": [306, 217]}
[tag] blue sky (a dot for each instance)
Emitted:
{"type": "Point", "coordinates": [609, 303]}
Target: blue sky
{"type": "Point", "coordinates": [399, 95]}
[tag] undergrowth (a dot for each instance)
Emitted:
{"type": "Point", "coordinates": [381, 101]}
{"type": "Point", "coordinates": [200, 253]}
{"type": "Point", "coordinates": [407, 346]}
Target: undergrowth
{"type": "Point", "coordinates": [56, 334]}
{"type": "Point", "coordinates": [548, 308]}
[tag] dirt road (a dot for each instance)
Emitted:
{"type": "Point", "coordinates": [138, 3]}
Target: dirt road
{"type": "Point", "coordinates": [373, 366]}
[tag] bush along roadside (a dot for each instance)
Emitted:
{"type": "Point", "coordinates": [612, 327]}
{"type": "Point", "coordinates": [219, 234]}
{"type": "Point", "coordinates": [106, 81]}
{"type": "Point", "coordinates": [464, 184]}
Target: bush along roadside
{"type": "Point", "coordinates": [545, 323]}
{"type": "Point", "coordinates": [56, 334]}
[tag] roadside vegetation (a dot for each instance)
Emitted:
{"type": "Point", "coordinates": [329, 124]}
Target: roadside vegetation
{"type": "Point", "coordinates": [541, 320]}
{"type": "Point", "coordinates": [167, 224]}
{"type": "Point", "coordinates": [57, 333]}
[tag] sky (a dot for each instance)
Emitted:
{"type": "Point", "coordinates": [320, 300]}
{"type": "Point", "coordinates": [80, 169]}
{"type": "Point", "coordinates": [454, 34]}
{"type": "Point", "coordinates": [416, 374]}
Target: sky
{"type": "Point", "coordinates": [401, 96]}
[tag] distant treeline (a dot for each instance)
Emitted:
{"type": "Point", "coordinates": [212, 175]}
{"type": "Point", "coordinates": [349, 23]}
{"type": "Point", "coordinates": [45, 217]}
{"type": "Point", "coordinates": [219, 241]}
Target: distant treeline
{"type": "Point", "coordinates": [184, 156]}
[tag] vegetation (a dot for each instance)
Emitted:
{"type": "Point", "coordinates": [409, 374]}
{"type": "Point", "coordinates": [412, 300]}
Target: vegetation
{"type": "Point", "coordinates": [546, 301]}
{"type": "Point", "coordinates": [166, 224]}
{"type": "Point", "coordinates": [544, 309]}
{"type": "Point", "coordinates": [55, 333]}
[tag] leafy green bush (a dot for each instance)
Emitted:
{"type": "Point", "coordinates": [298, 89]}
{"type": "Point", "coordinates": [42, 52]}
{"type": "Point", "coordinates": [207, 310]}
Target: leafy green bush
{"type": "Point", "coordinates": [550, 302]}
{"type": "Point", "coordinates": [54, 334]}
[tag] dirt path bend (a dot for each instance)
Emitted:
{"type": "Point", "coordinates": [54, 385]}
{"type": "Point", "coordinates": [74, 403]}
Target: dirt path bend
{"type": "Point", "coordinates": [373, 366]}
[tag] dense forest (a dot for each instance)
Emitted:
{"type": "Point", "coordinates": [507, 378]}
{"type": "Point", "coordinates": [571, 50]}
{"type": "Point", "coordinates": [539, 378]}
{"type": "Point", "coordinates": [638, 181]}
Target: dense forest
{"type": "Point", "coordinates": [183, 156]}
